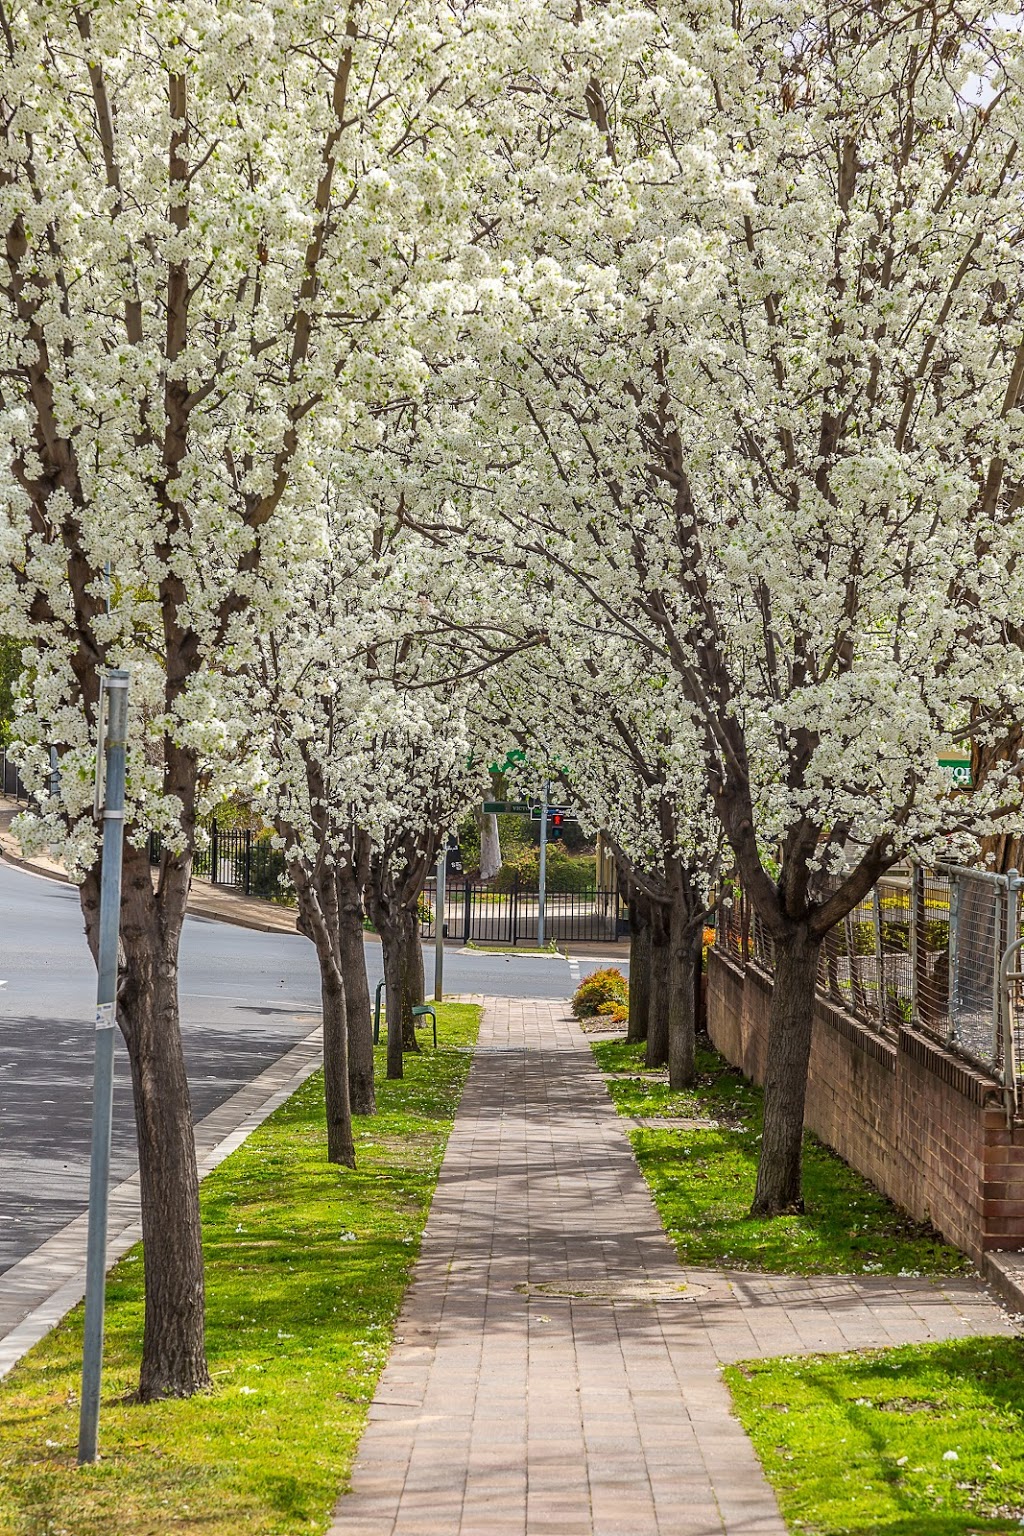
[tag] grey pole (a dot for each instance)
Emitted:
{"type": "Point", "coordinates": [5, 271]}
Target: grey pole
{"type": "Point", "coordinates": [442, 862]}
{"type": "Point", "coordinates": [542, 892]}
{"type": "Point", "coordinates": [103, 1077]}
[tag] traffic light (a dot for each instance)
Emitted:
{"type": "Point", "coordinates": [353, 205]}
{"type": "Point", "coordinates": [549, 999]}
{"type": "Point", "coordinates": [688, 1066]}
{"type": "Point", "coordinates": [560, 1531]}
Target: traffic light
{"type": "Point", "coordinates": [556, 826]}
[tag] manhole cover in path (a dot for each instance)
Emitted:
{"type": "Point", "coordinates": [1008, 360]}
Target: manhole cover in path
{"type": "Point", "coordinates": [608, 1292]}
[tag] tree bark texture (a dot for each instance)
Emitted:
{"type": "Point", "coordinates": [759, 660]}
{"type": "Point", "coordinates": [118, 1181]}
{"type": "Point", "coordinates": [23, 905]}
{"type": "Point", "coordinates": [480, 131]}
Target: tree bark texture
{"type": "Point", "coordinates": [321, 920]}
{"type": "Point", "coordinates": [685, 934]}
{"type": "Point", "coordinates": [173, 1347]}
{"type": "Point", "coordinates": [414, 983]}
{"type": "Point", "coordinates": [790, 1026]}
{"type": "Point", "coordinates": [656, 1054]}
{"type": "Point", "coordinates": [395, 877]}
{"type": "Point", "coordinates": [639, 967]}
{"type": "Point", "coordinates": [358, 1012]}
{"type": "Point", "coordinates": [394, 988]}
{"type": "Point", "coordinates": [490, 846]}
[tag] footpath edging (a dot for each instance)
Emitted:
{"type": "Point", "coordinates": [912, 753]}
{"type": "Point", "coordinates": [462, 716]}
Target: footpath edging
{"type": "Point", "coordinates": [209, 901]}
{"type": "Point", "coordinates": [1004, 1271]}
{"type": "Point", "coordinates": [40, 1289]}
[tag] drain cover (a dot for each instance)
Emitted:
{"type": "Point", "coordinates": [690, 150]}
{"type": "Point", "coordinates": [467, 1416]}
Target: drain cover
{"type": "Point", "coordinates": [607, 1292]}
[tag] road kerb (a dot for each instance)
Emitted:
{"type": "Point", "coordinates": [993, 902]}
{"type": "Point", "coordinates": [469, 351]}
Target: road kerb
{"type": "Point", "coordinates": [40, 1289]}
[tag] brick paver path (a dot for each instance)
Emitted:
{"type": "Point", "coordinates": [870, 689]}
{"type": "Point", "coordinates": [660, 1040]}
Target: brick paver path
{"type": "Point", "coordinates": [506, 1410]}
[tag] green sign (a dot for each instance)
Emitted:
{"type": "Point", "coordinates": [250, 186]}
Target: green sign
{"type": "Point", "coordinates": [514, 756]}
{"type": "Point", "coordinates": [959, 770]}
{"type": "Point", "coordinates": [506, 808]}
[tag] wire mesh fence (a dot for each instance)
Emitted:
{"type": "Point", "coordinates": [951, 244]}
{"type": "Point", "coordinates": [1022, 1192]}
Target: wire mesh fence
{"type": "Point", "coordinates": [924, 948]}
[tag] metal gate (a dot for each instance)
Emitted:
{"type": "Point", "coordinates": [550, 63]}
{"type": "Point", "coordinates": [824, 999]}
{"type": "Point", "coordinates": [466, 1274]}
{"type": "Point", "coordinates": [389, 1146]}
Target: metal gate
{"type": "Point", "coordinates": [476, 914]}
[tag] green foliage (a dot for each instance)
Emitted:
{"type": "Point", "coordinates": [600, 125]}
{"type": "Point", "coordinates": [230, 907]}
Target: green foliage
{"type": "Point", "coordinates": [306, 1267]}
{"type": "Point", "coordinates": [703, 1185]}
{"type": "Point", "coordinates": [565, 871]}
{"type": "Point", "coordinates": [599, 990]}
{"type": "Point", "coordinates": [10, 671]}
{"type": "Point", "coordinates": [895, 936]}
{"type": "Point", "coordinates": [267, 866]}
{"type": "Point", "coordinates": [925, 1440]}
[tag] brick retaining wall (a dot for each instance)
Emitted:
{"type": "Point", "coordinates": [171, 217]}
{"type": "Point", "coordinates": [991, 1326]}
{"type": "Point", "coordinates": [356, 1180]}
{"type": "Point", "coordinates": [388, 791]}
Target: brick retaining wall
{"type": "Point", "coordinates": [923, 1126]}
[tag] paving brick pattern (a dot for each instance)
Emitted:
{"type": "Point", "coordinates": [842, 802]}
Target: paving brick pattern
{"type": "Point", "coordinates": [509, 1410]}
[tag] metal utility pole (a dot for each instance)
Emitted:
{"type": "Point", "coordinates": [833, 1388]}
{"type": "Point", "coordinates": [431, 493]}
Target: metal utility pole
{"type": "Point", "coordinates": [542, 882]}
{"type": "Point", "coordinates": [442, 864]}
{"type": "Point", "coordinates": [111, 754]}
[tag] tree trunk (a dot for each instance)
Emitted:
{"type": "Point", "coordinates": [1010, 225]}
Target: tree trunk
{"type": "Point", "coordinates": [173, 1345]}
{"type": "Point", "coordinates": [340, 1143]}
{"type": "Point", "coordinates": [657, 1026]}
{"type": "Point", "coordinates": [685, 934]}
{"type": "Point", "coordinates": [320, 920]}
{"type": "Point", "coordinates": [394, 988]}
{"type": "Point", "coordinates": [490, 846]}
{"type": "Point", "coordinates": [414, 984]}
{"type": "Point", "coordinates": [639, 967]}
{"type": "Point", "coordinates": [358, 1014]}
{"type": "Point", "coordinates": [790, 1024]}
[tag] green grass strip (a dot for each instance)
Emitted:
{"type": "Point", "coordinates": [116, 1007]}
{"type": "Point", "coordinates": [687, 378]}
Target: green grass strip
{"type": "Point", "coordinates": [306, 1268]}
{"type": "Point", "coordinates": [703, 1184]}
{"type": "Point", "coordinates": [926, 1440]}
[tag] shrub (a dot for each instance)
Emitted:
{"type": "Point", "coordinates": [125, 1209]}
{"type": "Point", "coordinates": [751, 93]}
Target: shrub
{"type": "Point", "coordinates": [565, 871]}
{"type": "Point", "coordinates": [617, 1012]}
{"type": "Point", "coordinates": [597, 991]}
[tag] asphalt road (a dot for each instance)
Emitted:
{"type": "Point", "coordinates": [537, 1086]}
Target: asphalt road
{"type": "Point", "coordinates": [246, 998]}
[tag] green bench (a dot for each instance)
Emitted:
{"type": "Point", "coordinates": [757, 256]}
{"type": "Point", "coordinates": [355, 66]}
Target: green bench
{"type": "Point", "coordinates": [422, 1012]}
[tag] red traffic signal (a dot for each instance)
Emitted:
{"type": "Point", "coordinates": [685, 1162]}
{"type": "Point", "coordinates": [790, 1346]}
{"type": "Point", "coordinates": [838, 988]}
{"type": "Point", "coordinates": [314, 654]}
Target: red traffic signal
{"type": "Point", "coordinates": [556, 825]}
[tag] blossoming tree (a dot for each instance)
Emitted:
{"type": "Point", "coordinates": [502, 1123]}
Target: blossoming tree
{"type": "Point", "coordinates": [757, 278]}
{"type": "Point", "coordinates": [208, 213]}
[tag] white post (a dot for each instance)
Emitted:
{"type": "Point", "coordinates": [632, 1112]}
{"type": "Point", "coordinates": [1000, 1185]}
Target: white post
{"type": "Point", "coordinates": [542, 883]}
{"type": "Point", "coordinates": [103, 1077]}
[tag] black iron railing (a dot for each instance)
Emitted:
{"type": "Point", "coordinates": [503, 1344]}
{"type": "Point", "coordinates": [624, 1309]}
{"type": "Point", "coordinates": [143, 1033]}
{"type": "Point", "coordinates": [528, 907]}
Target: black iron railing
{"type": "Point", "coordinates": [241, 859]}
{"type": "Point", "coordinates": [477, 914]}
{"type": "Point", "coordinates": [10, 780]}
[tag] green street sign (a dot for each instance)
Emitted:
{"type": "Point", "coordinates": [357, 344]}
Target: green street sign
{"type": "Point", "coordinates": [959, 770]}
{"type": "Point", "coordinates": [515, 756]}
{"type": "Point", "coordinates": [506, 808]}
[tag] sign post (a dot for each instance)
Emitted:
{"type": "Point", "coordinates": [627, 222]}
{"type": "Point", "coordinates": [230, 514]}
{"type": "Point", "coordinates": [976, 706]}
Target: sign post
{"type": "Point", "coordinates": [111, 755]}
{"type": "Point", "coordinates": [442, 865]}
{"type": "Point", "coordinates": [542, 882]}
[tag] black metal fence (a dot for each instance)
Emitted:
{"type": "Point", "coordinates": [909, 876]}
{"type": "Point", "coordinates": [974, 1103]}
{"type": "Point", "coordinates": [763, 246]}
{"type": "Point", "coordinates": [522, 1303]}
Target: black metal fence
{"type": "Point", "coordinates": [10, 780]}
{"type": "Point", "coordinates": [477, 914]}
{"type": "Point", "coordinates": [243, 860]}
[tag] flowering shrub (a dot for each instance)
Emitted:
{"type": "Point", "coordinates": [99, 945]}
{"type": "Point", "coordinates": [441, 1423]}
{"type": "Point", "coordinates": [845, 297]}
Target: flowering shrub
{"type": "Point", "coordinates": [617, 1012]}
{"type": "Point", "coordinates": [600, 992]}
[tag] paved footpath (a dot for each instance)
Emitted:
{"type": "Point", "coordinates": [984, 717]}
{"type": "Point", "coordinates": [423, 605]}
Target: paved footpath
{"type": "Point", "coordinates": [511, 1408]}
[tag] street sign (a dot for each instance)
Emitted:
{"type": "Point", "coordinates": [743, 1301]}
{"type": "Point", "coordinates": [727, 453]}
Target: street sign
{"type": "Point", "coordinates": [553, 810]}
{"type": "Point", "coordinates": [513, 758]}
{"type": "Point", "coordinates": [959, 770]}
{"type": "Point", "coordinates": [506, 808]}
{"type": "Point", "coordinates": [453, 857]}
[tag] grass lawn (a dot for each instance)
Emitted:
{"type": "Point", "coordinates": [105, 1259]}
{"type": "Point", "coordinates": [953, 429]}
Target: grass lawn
{"type": "Point", "coordinates": [927, 1440]}
{"type": "Point", "coordinates": [306, 1267]}
{"type": "Point", "coordinates": [703, 1184]}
